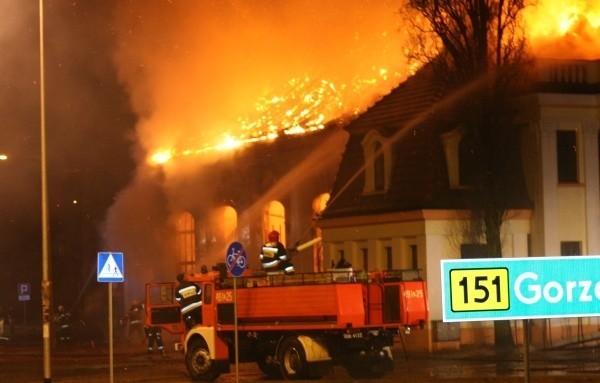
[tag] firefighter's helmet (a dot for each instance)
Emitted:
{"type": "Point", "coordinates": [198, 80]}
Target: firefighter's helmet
{"type": "Point", "coordinates": [273, 236]}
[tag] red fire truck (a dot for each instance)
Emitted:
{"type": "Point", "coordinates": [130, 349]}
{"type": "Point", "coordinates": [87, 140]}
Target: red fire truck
{"type": "Point", "coordinates": [293, 326]}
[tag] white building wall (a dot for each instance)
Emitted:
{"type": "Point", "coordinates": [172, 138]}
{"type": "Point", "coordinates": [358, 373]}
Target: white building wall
{"type": "Point", "coordinates": [591, 130]}
{"type": "Point", "coordinates": [567, 212]}
{"type": "Point", "coordinates": [434, 247]}
{"type": "Point", "coordinates": [550, 243]}
{"type": "Point", "coordinates": [436, 239]}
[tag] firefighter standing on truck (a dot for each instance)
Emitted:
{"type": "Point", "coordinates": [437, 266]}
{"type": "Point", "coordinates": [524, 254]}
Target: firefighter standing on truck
{"type": "Point", "coordinates": [189, 296]}
{"type": "Point", "coordinates": [273, 255]}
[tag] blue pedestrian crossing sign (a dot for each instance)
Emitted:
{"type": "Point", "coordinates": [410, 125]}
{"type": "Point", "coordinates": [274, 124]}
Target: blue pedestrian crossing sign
{"type": "Point", "coordinates": [110, 267]}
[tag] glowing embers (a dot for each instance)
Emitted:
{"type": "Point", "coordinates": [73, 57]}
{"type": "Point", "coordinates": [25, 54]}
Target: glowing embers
{"type": "Point", "coordinates": [306, 105]}
{"type": "Point", "coordinates": [564, 29]}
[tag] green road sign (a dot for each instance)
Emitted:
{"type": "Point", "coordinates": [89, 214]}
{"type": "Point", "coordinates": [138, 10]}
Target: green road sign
{"type": "Point", "coordinates": [520, 288]}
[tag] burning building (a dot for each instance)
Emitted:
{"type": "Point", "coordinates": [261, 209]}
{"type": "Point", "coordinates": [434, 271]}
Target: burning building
{"type": "Point", "coordinates": [240, 107]}
{"type": "Point", "coordinates": [190, 199]}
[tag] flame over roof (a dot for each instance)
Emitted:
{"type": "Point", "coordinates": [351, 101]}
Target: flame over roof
{"type": "Point", "coordinates": [222, 68]}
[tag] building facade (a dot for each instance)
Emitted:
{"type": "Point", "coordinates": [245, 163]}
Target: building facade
{"type": "Point", "coordinates": [398, 197]}
{"type": "Point", "coordinates": [561, 162]}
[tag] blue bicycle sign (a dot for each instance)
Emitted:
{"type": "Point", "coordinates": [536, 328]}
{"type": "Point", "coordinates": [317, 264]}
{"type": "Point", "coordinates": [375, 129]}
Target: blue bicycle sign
{"type": "Point", "coordinates": [236, 259]}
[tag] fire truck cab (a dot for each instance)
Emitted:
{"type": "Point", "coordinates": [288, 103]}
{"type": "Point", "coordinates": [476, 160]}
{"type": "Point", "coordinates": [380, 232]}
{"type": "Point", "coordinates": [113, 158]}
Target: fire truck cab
{"type": "Point", "coordinates": [293, 326]}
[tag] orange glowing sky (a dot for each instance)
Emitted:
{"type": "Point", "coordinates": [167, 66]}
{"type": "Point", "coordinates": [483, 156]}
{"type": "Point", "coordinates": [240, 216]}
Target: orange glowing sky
{"type": "Point", "coordinates": [565, 28]}
{"type": "Point", "coordinates": [205, 74]}
{"type": "Point", "coordinates": [198, 71]}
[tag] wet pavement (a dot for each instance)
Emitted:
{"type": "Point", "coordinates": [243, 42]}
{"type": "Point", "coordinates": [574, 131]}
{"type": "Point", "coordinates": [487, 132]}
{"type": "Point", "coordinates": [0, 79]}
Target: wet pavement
{"type": "Point", "coordinates": [21, 361]}
{"type": "Point", "coordinates": [486, 365]}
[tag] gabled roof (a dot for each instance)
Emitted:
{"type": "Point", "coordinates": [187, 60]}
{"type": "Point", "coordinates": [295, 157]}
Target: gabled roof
{"type": "Point", "coordinates": [412, 118]}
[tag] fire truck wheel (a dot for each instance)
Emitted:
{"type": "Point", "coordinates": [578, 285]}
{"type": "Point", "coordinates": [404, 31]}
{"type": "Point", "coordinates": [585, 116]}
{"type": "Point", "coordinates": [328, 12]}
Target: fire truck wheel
{"type": "Point", "coordinates": [292, 359]}
{"type": "Point", "coordinates": [199, 363]}
{"type": "Point", "coordinates": [266, 360]}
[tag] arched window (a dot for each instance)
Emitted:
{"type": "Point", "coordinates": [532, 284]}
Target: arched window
{"type": "Point", "coordinates": [451, 142]}
{"type": "Point", "coordinates": [318, 206]}
{"type": "Point", "coordinates": [185, 241]}
{"type": "Point", "coordinates": [378, 167]}
{"type": "Point", "coordinates": [462, 159]}
{"type": "Point", "coordinates": [274, 219]}
{"type": "Point", "coordinates": [228, 220]}
{"type": "Point", "coordinates": [218, 229]}
{"type": "Point", "coordinates": [378, 162]}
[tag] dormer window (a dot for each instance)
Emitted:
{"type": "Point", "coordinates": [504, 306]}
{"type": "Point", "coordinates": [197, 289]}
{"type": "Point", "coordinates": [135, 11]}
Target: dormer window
{"type": "Point", "coordinates": [460, 155]}
{"type": "Point", "coordinates": [451, 143]}
{"type": "Point", "coordinates": [378, 162]}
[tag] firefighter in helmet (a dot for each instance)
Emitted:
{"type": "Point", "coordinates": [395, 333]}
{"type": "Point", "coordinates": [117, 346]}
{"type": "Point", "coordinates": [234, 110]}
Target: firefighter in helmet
{"type": "Point", "coordinates": [154, 336]}
{"type": "Point", "coordinates": [189, 296]}
{"type": "Point", "coordinates": [135, 323]}
{"type": "Point", "coordinates": [273, 255]}
{"type": "Point", "coordinates": [64, 321]}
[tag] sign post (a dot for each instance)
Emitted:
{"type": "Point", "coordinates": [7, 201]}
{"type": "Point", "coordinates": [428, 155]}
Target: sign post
{"type": "Point", "coordinates": [110, 269]}
{"type": "Point", "coordinates": [236, 262]}
{"type": "Point", "coordinates": [520, 288]}
{"type": "Point", "coordinates": [24, 290]}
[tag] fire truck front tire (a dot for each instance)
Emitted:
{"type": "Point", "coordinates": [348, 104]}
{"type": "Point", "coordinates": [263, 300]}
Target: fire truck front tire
{"type": "Point", "coordinates": [198, 362]}
{"type": "Point", "coordinates": [292, 359]}
{"type": "Point", "coordinates": [266, 360]}
{"type": "Point", "coordinates": [371, 363]}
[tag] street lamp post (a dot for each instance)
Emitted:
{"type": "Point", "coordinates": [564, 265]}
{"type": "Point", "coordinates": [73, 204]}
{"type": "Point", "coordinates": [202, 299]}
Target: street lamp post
{"type": "Point", "coordinates": [46, 283]}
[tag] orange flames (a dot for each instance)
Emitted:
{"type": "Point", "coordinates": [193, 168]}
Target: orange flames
{"type": "Point", "coordinates": [556, 29]}
{"type": "Point", "coordinates": [564, 29]}
{"type": "Point", "coordinates": [305, 105]}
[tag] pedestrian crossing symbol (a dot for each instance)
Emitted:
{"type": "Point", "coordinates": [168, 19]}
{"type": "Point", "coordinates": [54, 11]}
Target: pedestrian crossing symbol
{"type": "Point", "coordinates": [110, 267]}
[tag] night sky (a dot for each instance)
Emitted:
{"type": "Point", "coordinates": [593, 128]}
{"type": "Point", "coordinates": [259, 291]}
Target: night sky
{"type": "Point", "coordinates": [89, 128]}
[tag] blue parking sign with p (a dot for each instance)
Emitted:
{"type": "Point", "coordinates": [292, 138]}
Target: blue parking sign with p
{"type": "Point", "coordinates": [24, 291]}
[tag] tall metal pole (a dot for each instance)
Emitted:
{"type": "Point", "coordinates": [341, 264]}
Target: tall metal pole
{"type": "Point", "coordinates": [110, 333]}
{"type": "Point", "coordinates": [46, 283]}
{"type": "Point", "coordinates": [526, 362]}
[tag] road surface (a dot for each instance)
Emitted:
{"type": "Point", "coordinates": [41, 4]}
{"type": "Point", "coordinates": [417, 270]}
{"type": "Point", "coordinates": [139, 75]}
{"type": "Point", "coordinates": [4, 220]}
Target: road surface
{"type": "Point", "coordinates": [23, 362]}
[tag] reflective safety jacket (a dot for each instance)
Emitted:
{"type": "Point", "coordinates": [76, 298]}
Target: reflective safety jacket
{"type": "Point", "coordinates": [273, 255]}
{"type": "Point", "coordinates": [135, 314]}
{"type": "Point", "coordinates": [189, 296]}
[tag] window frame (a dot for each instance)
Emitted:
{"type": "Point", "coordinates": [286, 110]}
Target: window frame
{"type": "Point", "coordinates": [378, 162]}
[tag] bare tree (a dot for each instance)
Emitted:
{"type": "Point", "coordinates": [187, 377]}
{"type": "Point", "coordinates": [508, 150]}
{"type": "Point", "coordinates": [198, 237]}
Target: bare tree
{"type": "Point", "coordinates": [480, 43]}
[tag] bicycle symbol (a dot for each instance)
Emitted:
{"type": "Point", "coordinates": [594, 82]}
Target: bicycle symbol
{"type": "Point", "coordinates": [236, 258]}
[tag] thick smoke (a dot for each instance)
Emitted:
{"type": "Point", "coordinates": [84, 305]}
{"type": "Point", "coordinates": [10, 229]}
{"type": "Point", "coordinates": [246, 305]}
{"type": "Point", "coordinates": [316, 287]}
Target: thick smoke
{"type": "Point", "coordinates": [193, 69]}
